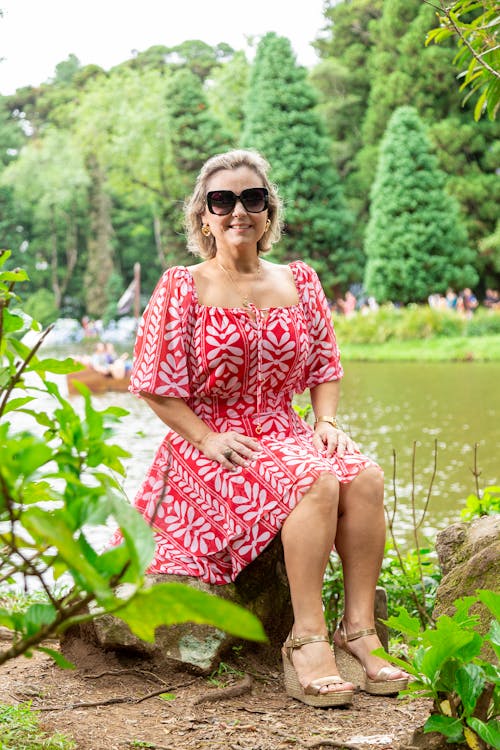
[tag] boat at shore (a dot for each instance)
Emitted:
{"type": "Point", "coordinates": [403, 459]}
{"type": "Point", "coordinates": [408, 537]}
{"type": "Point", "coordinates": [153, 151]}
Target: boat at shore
{"type": "Point", "coordinates": [96, 382]}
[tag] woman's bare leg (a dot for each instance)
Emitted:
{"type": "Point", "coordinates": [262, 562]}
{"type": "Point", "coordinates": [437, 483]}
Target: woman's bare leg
{"type": "Point", "coordinates": [360, 542]}
{"type": "Point", "coordinates": [307, 536]}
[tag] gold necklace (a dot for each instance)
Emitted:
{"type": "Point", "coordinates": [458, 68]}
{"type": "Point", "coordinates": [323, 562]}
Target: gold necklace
{"type": "Point", "coordinates": [247, 302]}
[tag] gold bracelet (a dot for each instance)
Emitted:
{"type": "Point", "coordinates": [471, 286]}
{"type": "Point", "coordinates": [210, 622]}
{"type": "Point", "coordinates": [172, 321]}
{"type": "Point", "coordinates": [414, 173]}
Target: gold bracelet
{"type": "Point", "coordinates": [330, 420]}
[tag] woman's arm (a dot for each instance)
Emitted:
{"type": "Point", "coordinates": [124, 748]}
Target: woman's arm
{"type": "Point", "coordinates": [177, 415]}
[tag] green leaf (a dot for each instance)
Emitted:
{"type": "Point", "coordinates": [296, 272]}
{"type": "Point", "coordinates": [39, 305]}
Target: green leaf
{"type": "Point", "coordinates": [36, 616]}
{"type": "Point", "coordinates": [6, 619]}
{"type": "Point", "coordinates": [490, 599]}
{"type": "Point", "coordinates": [494, 636]}
{"type": "Point", "coordinates": [448, 725]}
{"type": "Point", "coordinates": [404, 623]}
{"type": "Point", "coordinates": [480, 106]}
{"type": "Point", "coordinates": [17, 403]}
{"type": "Point", "coordinates": [58, 366]}
{"type": "Point", "coordinates": [446, 642]}
{"type": "Point", "coordinates": [469, 684]}
{"type": "Point", "coordinates": [169, 603]}
{"type": "Point", "coordinates": [137, 535]}
{"type": "Point", "coordinates": [59, 659]}
{"type": "Point", "coordinates": [18, 275]}
{"type": "Point", "coordinates": [489, 731]}
{"type": "Point", "coordinates": [11, 321]}
{"type": "Point", "coordinates": [53, 529]}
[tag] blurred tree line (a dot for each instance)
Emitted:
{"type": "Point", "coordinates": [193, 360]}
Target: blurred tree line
{"type": "Point", "coordinates": [95, 165]}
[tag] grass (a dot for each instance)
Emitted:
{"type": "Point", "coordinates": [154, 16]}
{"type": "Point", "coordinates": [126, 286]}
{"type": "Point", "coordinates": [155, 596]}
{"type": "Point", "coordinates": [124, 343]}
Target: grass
{"type": "Point", "coordinates": [20, 730]}
{"type": "Point", "coordinates": [434, 349]}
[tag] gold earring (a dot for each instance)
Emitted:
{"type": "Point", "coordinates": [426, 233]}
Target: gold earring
{"type": "Point", "coordinates": [268, 224]}
{"type": "Point", "coordinates": [205, 230]}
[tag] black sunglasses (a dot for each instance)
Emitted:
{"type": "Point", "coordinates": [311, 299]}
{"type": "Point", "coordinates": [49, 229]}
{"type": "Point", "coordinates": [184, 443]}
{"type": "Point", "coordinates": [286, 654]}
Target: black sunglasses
{"type": "Point", "coordinates": [253, 200]}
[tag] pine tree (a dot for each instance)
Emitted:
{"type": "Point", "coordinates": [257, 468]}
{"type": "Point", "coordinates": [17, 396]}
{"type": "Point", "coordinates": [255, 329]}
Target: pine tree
{"type": "Point", "coordinates": [281, 123]}
{"type": "Point", "coordinates": [415, 242]}
{"type": "Point", "coordinates": [195, 135]}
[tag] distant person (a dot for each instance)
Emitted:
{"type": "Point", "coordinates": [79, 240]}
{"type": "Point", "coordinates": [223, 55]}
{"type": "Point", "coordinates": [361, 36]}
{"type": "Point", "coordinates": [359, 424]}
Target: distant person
{"type": "Point", "coordinates": [451, 299]}
{"type": "Point", "coordinates": [492, 299]}
{"type": "Point", "coordinates": [467, 302]}
{"type": "Point", "coordinates": [99, 361]}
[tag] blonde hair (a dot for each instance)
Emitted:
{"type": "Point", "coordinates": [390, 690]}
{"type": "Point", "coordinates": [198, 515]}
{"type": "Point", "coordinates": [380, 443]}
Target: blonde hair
{"type": "Point", "coordinates": [194, 207]}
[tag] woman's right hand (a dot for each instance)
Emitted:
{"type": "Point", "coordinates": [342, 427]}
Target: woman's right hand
{"type": "Point", "coordinates": [230, 449]}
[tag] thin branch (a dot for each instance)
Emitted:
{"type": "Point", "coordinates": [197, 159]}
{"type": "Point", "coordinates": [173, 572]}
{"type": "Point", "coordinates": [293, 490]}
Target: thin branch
{"type": "Point", "coordinates": [465, 41]}
{"type": "Point", "coordinates": [431, 484]}
{"type": "Point", "coordinates": [114, 701]}
{"type": "Point", "coordinates": [475, 471]}
{"type": "Point", "coordinates": [17, 377]}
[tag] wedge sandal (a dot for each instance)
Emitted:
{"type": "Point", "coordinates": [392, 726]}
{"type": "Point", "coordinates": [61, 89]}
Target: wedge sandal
{"type": "Point", "coordinates": [311, 695]}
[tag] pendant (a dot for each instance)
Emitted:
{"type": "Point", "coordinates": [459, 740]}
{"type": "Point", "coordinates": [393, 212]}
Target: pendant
{"type": "Point", "coordinates": [258, 429]}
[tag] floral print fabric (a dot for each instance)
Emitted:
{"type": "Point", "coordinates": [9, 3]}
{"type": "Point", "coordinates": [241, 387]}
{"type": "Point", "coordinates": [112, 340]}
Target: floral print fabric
{"type": "Point", "coordinates": [237, 369]}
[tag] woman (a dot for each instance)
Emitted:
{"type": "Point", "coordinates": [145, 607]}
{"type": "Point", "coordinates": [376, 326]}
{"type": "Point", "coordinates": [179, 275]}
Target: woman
{"type": "Point", "coordinates": [221, 350]}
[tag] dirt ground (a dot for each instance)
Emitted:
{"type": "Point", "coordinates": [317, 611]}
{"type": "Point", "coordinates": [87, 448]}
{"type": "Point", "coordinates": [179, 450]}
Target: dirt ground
{"type": "Point", "coordinates": [244, 709]}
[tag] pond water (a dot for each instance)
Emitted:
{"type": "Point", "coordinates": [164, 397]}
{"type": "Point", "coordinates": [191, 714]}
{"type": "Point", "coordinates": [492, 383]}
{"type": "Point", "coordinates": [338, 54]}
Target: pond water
{"type": "Point", "coordinates": [389, 409]}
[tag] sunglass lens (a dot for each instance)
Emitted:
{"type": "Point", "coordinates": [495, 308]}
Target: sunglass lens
{"type": "Point", "coordinates": [221, 201]}
{"type": "Point", "coordinates": [254, 199]}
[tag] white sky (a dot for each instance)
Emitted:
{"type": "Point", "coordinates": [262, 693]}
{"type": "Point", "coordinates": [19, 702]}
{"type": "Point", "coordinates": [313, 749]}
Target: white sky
{"type": "Point", "coordinates": [36, 35]}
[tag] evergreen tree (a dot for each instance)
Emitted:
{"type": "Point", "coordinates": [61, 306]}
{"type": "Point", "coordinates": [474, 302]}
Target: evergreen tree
{"type": "Point", "coordinates": [195, 135]}
{"type": "Point", "coordinates": [282, 124]}
{"type": "Point", "coordinates": [415, 242]}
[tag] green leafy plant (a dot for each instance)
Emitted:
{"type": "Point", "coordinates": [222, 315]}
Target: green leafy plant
{"type": "Point", "coordinates": [58, 482]}
{"type": "Point", "coordinates": [486, 503]}
{"type": "Point", "coordinates": [475, 26]}
{"type": "Point", "coordinates": [450, 666]}
{"type": "Point", "coordinates": [20, 730]}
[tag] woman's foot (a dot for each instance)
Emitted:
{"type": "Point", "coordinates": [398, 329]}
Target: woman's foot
{"type": "Point", "coordinates": [372, 673]}
{"type": "Point", "coordinates": [311, 674]}
{"type": "Point", "coordinates": [316, 660]}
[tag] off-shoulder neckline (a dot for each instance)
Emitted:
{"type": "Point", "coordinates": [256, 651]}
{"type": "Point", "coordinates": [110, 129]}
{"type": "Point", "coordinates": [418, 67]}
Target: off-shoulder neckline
{"type": "Point", "coordinates": [245, 310]}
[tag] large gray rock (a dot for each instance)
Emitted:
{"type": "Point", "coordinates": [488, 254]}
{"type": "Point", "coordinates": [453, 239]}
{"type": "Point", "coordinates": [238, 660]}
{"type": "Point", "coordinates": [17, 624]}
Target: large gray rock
{"type": "Point", "coordinates": [261, 588]}
{"type": "Point", "coordinates": [469, 556]}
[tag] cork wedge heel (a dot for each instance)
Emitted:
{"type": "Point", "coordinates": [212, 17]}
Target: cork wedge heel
{"type": "Point", "coordinates": [311, 695]}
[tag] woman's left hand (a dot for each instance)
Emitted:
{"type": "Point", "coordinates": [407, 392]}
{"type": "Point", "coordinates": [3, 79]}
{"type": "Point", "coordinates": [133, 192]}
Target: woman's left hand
{"type": "Point", "coordinates": [330, 439]}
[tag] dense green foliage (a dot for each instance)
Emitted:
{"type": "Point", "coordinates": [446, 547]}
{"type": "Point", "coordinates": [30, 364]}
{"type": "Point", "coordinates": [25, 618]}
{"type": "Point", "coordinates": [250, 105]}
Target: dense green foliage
{"type": "Point", "coordinates": [281, 122]}
{"type": "Point", "coordinates": [475, 26]}
{"type": "Point", "coordinates": [449, 665]}
{"type": "Point", "coordinates": [415, 243]}
{"type": "Point", "coordinates": [95, 165]}
{"type": "Point", "coordinates": [58, 483]}
{"type": "Point", "coordinates": [373, 62]}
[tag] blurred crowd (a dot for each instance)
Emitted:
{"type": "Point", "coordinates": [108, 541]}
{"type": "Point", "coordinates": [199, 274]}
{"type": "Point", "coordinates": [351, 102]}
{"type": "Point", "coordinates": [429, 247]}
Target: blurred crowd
{"type": "Point", "coordinates": [463, 302]}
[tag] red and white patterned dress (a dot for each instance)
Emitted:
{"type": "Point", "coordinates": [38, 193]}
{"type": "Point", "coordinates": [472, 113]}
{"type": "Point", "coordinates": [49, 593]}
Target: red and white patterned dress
{"type": "Point", "coordinates": [237, 371]}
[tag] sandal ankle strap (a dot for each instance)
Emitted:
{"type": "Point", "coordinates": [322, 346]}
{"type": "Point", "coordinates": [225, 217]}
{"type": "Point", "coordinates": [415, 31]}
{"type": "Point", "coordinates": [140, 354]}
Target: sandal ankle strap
{"type": "Point", "coordinates": [360, 634]}
{"type": "Point", "coordinates": [353, 636]}
{"type": "Point", "coordinates": [293, 642]}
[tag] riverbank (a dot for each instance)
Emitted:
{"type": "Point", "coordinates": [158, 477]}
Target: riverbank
{"type": "Point", "coordinates": [435, 349]}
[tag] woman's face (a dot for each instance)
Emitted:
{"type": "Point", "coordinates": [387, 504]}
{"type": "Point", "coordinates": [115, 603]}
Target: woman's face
{"type": "Point", "coordinates": [239, 228]}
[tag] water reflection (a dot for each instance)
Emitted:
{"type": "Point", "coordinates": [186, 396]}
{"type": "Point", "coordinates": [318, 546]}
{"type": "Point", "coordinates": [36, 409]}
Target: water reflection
{"type": "Point", "coordinates": [391, 407]}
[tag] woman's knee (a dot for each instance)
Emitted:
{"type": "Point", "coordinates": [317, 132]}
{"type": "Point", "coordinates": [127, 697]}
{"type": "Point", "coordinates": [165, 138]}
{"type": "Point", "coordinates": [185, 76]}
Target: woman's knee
{"type": "Point", "coordinates": [368, 486]}
{"type": "Point", "coordinates": [325, 492]}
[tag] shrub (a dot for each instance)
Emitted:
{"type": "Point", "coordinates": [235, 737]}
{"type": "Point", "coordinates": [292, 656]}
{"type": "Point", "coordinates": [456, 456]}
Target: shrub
{"type": "Point", "coordinates": [54, 488]}
{"type": "Point", "coordinates": [448, 665]}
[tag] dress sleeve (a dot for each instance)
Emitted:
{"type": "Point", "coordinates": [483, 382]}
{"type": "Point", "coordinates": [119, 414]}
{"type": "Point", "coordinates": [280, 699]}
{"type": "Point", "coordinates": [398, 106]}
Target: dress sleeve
{"type": "Point", "coordinates": [323, 361]}
{"type": "Point", "coordinates": [160, 364]}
